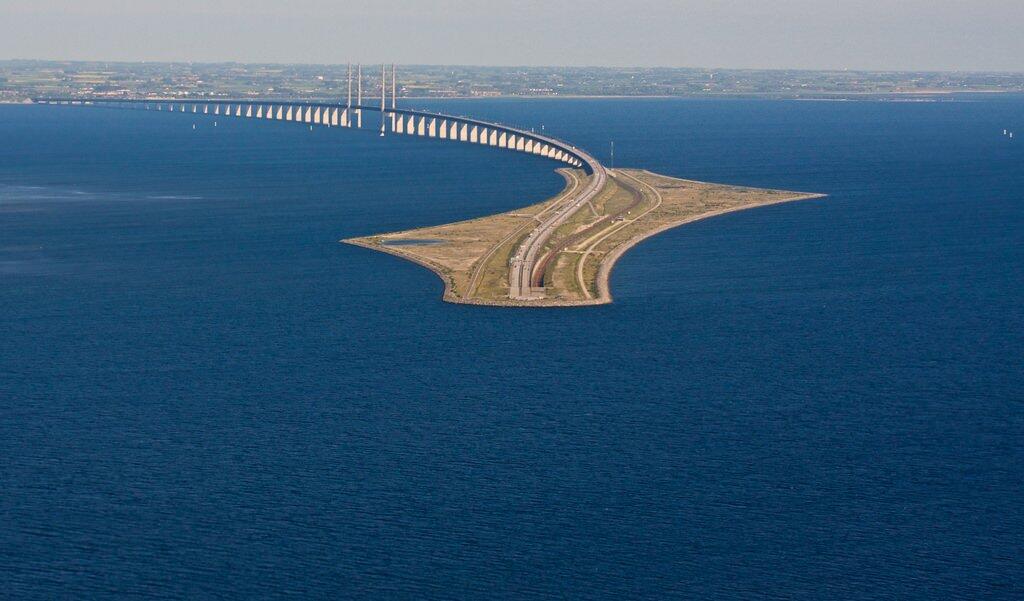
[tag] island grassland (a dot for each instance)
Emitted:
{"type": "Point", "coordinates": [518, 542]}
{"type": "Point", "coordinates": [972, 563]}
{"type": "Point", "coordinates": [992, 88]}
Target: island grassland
{"type": "Point", "coordinates": [473, 257]}
{"type": "Point", "coordinates": [664, 203]}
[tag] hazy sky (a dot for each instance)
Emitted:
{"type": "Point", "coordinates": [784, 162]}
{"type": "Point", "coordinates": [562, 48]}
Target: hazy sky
{"type": "Point", "coordinates": [854, 34]}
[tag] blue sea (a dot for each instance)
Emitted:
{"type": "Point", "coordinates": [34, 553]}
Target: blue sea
{"type": "Point", "coordinates": [204, 395]}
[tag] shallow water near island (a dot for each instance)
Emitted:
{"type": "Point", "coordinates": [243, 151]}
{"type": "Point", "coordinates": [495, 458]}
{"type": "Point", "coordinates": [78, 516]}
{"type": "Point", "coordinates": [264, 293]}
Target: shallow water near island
{"type": "Point", "coordinates": [204, 394]}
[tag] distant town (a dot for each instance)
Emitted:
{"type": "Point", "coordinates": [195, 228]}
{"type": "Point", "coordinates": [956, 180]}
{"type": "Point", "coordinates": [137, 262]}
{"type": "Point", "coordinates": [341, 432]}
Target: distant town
{"type": "Point", "coordinates": [21, 80]}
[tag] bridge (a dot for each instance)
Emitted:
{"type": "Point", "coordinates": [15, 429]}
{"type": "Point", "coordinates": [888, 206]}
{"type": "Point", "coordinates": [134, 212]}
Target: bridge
{"type": "Point", "coordinates": [526, 275]}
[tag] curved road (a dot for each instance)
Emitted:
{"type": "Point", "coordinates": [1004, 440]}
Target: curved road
{"type": "Point", "coordinates": [525, 260]}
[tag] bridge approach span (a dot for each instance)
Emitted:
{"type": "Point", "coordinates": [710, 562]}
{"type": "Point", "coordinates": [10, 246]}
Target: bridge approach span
{"type": "Point", "coordinates": [400, 121]}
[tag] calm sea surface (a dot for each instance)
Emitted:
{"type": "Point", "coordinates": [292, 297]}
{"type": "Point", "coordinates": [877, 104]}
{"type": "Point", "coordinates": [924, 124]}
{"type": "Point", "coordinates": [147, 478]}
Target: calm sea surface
{"type": "Point", "coordinates": [204, 395]}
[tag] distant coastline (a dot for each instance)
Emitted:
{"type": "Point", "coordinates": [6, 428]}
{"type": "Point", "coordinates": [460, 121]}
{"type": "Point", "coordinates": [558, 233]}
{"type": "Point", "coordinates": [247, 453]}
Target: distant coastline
{"type": "Point", "coordinates": [21, 79]}
{"type": "Point", "coordinates": [908, 96]}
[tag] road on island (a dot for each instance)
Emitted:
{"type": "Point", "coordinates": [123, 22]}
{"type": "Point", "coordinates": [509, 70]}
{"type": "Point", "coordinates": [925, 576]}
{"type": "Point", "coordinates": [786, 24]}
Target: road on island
{"type": "Point", "coordinates": [616, 220]}
{"type": "Point", "coordinates": [591, 243]}
{"type": "Point", "coordinates": [524, 263]}
{"type": "Point", "coordinates": [481, 266]}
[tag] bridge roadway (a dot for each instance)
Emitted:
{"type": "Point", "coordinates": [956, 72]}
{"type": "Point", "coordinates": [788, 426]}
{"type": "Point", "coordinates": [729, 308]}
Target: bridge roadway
{"type": "Point", "coordinates": [524, 281]}
{"type": "Point", "coordinates": [526, 275]}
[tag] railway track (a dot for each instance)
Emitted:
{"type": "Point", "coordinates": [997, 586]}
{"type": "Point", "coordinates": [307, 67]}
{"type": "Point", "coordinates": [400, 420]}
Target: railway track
{"type": "Point", "coordinates": [538, 276]}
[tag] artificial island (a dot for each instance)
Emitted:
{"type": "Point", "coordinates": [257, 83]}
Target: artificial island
{"type": "Point", "coordinates": [512, 259]}
{"type": "Point", "coordinates": [559, 252]}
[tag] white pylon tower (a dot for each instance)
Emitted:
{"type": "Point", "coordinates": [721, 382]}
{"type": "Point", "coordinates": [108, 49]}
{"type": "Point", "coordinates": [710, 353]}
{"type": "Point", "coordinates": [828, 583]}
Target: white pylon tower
{"type": "Point", "coordinates": [359, 95]}
{"type": "Point", "coordinates": [383, 95]}
{"type": "Point", "coordinates": [348, 111]}
{"type": "Point", "coordinates": [394, 95]}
